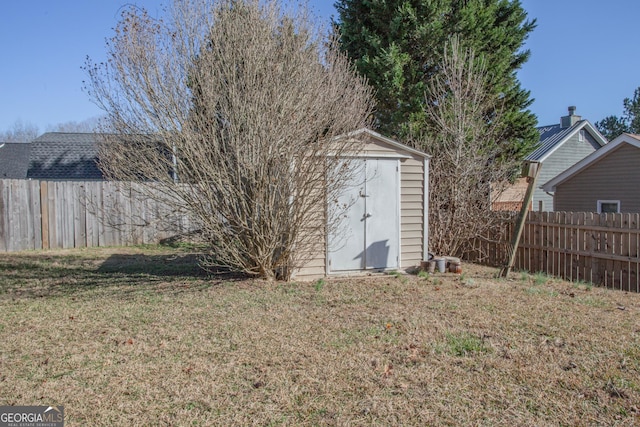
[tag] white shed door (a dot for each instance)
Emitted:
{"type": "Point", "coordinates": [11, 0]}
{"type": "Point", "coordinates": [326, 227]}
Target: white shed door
{"type": "Point", "coordinates": [369, 235]}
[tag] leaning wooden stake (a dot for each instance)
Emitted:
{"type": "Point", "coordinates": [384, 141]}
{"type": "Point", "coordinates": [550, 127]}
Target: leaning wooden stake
{"type": "Point", "coordinates": [533, 168]}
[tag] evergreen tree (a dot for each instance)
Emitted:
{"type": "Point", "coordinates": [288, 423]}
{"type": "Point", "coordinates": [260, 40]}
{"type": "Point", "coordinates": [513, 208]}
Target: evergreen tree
{"type": "Point", "coordinates": [398, 45]}
{"type": "Point", "coordinates": [612, 126]}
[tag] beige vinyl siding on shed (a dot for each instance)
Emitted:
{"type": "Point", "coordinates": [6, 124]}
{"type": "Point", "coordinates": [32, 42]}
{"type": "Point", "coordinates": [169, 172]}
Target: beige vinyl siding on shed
{"type": "Point", "coordinates": [316, 266]}
{"type": "Point", "coordinates": [313, 269]}
{"type": "Point", "coordinates": [614, 177]}
{"type": "Point", "coordinates": [411, 212]}
{"type": "Point", "coordinates": [568, 154]}
{"type": "Point", "coordinates": [372, 148]}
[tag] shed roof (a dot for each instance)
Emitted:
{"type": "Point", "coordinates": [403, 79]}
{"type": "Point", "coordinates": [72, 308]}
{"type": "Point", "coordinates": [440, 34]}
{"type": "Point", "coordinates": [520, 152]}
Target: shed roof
{"type": "Point", "coordinates": [392, 142]}
{"type": "Point", "coordinates": [14, 160]}
{"type": "Point", "coordinates": [61, 155]}
{"type": "Point", "coordinates": [625, 138]}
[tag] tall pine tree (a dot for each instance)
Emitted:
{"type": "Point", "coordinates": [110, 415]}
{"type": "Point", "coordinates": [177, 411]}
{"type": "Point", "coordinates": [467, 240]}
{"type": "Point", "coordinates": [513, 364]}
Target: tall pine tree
{"type": "Point", "coordinates": [613, 126]}
{"type": "Point", "coordinates": [398, 45]}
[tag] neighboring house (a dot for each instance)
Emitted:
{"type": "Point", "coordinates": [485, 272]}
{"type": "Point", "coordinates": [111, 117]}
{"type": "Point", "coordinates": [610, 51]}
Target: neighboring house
{"type": "Point", "coordinates": [14, 160]}
{"type": "Point", "coordinates": [64, 156]}
{"type": "Point", "coordinates": [561, 146]}
{"type": "Point", "coordinates": [52, 156]}
{"type": "Point", "coordinates": [605, 181]}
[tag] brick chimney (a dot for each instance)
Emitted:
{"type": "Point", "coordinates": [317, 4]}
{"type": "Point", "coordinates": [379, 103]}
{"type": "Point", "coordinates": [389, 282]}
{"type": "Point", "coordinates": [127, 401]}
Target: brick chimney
{"type": "Point", "coordinates": [571, 119]}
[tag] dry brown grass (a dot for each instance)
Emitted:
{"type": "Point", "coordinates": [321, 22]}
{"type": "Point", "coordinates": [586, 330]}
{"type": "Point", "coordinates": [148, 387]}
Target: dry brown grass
{"type": "Point", "coordinates": [138, 337]}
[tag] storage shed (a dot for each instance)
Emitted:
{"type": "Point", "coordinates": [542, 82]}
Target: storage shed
{"type": "Point", "coordinates": [386, 223]}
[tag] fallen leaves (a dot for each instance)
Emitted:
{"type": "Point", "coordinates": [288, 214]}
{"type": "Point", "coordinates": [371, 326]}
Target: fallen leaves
{"type": "Point", "coordinates": [388, 370]}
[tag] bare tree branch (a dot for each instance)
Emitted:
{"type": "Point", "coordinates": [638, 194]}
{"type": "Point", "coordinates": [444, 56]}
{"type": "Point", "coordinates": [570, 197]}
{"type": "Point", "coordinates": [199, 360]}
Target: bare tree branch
{"type": "Point", "coordinates": [466, 155]}
{"type": "Point", "coordinates": [20, 132]}
{"type": "Point", "coordinates": [244, 103]}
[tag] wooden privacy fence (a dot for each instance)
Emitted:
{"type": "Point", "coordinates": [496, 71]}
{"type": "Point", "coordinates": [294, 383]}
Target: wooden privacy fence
{"type": "Point", "coordinates": [72, 214]}
{"type": "Point", "coordinates": [603, 249]}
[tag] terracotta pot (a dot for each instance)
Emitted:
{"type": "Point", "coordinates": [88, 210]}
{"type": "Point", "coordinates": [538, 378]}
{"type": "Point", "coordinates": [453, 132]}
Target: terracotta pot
{"type": "Point", "coordinates": [455, 268]}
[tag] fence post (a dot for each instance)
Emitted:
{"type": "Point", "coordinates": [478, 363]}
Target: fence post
{"type": "Point", "coordinates": [44, 212]}
{"type": "Point", "coordinates": [532, 176]}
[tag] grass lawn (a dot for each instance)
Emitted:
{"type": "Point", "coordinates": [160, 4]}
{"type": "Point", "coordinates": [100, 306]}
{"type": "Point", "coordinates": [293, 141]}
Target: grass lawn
{"type": "Point", "coordinates": [139, 336]}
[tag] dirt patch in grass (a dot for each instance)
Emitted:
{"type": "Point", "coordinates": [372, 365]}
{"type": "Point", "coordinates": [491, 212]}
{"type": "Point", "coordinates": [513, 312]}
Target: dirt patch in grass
{"type": "Point", "coordinates": [142, 337]}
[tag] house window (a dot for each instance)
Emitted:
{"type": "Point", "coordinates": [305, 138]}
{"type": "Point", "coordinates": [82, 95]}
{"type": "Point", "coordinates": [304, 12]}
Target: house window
{"type": "Point", "coordinates": [581, 136]}
{"type": "Point", "coordinates": [608, 206]}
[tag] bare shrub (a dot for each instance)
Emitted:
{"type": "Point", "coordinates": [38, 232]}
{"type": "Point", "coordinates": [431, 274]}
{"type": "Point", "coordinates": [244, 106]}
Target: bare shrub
{"type": "Point", "coordinates": [467, 152]}
{"type": "Point", "coordinates": [233, 108]}
{"type": "Point", "coordinates": [19, 132]}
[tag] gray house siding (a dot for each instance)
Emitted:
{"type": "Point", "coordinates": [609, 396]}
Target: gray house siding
{"type": "Point", "coordinates": [565, 156]}
{"type": "Point", "coordinates": [602, 181]}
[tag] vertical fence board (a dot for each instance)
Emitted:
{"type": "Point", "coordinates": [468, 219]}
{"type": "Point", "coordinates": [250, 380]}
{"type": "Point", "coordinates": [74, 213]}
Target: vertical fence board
{"type": "Point", "coordinates": [615, 237]}
{"type": "Point", "coordinates": [80, 212]}
{"type": "Point", "coordinates": [109, 204]}
{"type": "Point", "coordinates": [634, 223]}
{"type": "Point", "coordinates": [556, 239]}
{"type": "Point", "coordinates": [14, 216]}
{"type": "Point", "coordinates": [44, 214]}
{"type": "Point", "coordinates": [11, 225]}
{"type": "Point", "coordinates": [26, 218]}
{"type": "Point", "coordinates": [573, 247]}
{"type": "Point", "coordinates": [116, 215]}
{"type": "Point", "coordinates": [4, 226]}
{"type": "Point", "coordinates": [69, 216]}
{"type": "Point", "coordinates": [128, 236]}
{"type": "Point", "coordinates": [151, 218]}
{"type": "Point", "coordinates": [93, 229]}
{"type": "Point", "coordinates": [36, 218]}
{"type": "Point", "coordinates": [62, 207]}
{"type": "Point", "coordinates": [611, 276]}
{"type": "Point", "coordinates": [123, 210]}
{"type": "Point", "coordinates": [624, 251]}
{"type": "Point", "coordinates": [591, 261]}
{"type": "Point", "coordinates": [546, 244]}
{"type": "Point", "coordinates": [563, 241]}
{"type": "Point", "coordinates": [53, 222]}
{"type": "Point", "coordinates": [580, 240]}
{"type": "Point", "coordinates": [8, 229]}
{"type": "Point", "coordinates": [598, 241]}
{"type": "Point", "coordinates": [100, 214]}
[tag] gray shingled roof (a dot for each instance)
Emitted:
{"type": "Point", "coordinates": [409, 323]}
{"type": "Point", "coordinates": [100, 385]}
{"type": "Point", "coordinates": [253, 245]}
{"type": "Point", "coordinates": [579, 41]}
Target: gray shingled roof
{"type": "Point", "coordinates": [550, 136]}
{"type": "Point", "coordinates": [67, 156]}
{"type": "Point", "coordinates": [14, 160]}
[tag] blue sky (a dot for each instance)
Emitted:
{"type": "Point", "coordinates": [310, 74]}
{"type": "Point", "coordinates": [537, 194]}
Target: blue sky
{"type": "Point", "coordinates": [583, 53]}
